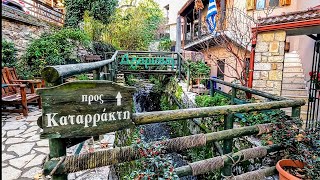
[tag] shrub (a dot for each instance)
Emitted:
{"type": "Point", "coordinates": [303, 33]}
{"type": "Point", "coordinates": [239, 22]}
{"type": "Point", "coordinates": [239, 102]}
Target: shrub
{"type": "Point", "coordinates": [165, 44]}
{"type": "Point", "coordinates": [53, 49]}
{"type": "Point", "coordinates": [101, 47]}
{"type": "Point", "coordinates": [9, 53]}
{"type": "Point", "coordinates": [207, 101]}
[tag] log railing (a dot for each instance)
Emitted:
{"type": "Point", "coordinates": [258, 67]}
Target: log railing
{"type": "Point", "coordinates": [61, 163]}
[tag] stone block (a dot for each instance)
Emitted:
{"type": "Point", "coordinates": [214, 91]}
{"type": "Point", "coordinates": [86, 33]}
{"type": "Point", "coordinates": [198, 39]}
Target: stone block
{"type": "Point", "coordinates": [259, 84]}
{"type": "Point", "coordinates": [262, 46]}
{"type": "Point", "coordinates": [280, 36]}
{"type": "Point", "coordinates": [257, 57]}
{"type": "Point", "coordinates": [275, 59]}
{"type": "Point", "coordinates": [281, 48]}
{"type": "Point", "coordinates": [274, 46]}
{"type": "Point", "coordinates": [266, 54]}
{"type": "Point", "coordinates": [256, 75]}
{"type": "Point", "coordinates": [264, 59]}
{"type": "Point", "coordinates": [275, 75]}
{"type": "Point", "coordinates": [268, 37]}
{"type": "Point", "coordinates": [274, 66]}
{"type": "Point", "coordinates": [262, 66]}
{"type": "Point", "coordinates": [264, 75]}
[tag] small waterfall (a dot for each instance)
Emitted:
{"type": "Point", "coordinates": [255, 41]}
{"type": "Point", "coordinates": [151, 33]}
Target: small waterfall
{"type": "Point", "coordinates": [146, 100]}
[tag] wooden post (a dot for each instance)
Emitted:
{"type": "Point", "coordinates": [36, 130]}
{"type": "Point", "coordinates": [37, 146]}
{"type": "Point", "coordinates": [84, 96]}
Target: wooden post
{"type": "Point", "coordinates": [96, 74]}
{"type": "Point", "coordinates": [188, 78]}
{"type": "Point", "coordinates": [58, 148]}
{"type": "Point", "coordinates": [227, 144]}
{"type": "Point", "coordinates": [212, 88]}
{"type": "Point", "coordinates": [296, 111]}
{"type": "Point", "coordinates": [179, 65]}
{"type": "Point", "coordinates": [109, 72]}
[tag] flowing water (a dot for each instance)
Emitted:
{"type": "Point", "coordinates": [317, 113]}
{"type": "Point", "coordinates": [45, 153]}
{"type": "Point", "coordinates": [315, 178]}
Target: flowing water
{"type": "Point", "coordinates": [146, 100]}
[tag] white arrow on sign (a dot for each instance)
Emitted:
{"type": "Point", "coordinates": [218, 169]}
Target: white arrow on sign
{"type": "Point", "coordinates": [118, 99]}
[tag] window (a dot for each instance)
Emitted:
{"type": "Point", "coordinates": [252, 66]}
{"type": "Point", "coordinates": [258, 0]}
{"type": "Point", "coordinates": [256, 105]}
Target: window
{"type": "Point", "coordinates": [263, 4]}
{"type": "Point", "coordinates": [220, 73]}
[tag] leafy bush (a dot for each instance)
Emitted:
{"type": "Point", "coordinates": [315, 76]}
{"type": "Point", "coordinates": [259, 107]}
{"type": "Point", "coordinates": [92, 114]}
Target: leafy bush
{"type": "Point", "coordinates": [216, 100]}
{"type": "Point", "coordinates": [9, 53]}
{"type": "Point", "coordinates": [82, 77]}
{"type": "Point", "coordinates": [99, 9]}
{"type": "Point", "coordinates": [101, 47]}
{"type": "Point", "coordinates": [154, 164]}
{"type": "Point", "coordinates": [52, 49]}
{"type": "Point", "coordinates": [165, 44]}
{"type": "Point", "coordinates": [135, 27]}
{"type": "Point", "coordinates": [299, 144]}
{"type": "Point", "coordinates": [253, 118]}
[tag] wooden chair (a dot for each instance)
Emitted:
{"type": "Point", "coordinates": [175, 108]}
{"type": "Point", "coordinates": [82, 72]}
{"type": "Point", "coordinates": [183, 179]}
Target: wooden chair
{"type": "Point", "coordinates": [16, 94]}
{"type": "Point", "coordinates": [14, 79]}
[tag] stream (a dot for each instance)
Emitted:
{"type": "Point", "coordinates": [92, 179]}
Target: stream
{"type": "Point", "coordinates": [146, 100]}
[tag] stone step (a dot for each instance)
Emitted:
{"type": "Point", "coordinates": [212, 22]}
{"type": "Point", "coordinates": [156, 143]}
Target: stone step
{"type": "Point", "coordinates": [293, 69]}
{"type": "Point", "coordinates": [292, 60]}
{"type": "Point", "coordinates": [295, 92]}
{"type": "Point", "coordinates": [293, 75]}
{"type": "Point", "coordinates": [292, 64]}
{"type": "Point", "coordinates": [293, 80]}
{"type": "Point", "coordinates": [293, 54]}
{"type": "Point", "coordinates": [293, 86]}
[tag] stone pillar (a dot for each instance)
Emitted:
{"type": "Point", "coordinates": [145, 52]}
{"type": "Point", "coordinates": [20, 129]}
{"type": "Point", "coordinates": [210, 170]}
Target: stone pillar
{"type": "Point", "coordinates": [269, 59]}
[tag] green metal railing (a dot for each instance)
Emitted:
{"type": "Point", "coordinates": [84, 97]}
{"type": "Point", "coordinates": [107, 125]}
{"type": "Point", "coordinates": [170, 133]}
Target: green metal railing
{"type": "Point", "coordinates": [58, 161]}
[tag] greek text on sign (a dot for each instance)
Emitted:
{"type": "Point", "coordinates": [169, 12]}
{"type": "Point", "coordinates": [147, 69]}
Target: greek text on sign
{"type": "Point", "coordinates": [134, 62]}
{"type": "Point", "coordinates": [85, 108]}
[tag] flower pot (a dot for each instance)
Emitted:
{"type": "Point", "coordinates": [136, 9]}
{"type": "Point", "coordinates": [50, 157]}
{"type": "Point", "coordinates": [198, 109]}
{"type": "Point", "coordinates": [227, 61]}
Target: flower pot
{"type": "Point", "coordinates": [284, 175]}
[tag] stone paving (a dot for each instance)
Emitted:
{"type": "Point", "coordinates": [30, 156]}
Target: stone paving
{"type": "Point", "coordinates": [23, 151]}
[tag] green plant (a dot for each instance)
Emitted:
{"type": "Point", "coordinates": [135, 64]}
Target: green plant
{"type": "Point", "coordinates": [132, 28]}
{"type": "Point", "coordinates": [8, 54]}
{"type": "Point", "coordinates": [82, 77]}
{"type": "Point", "coordinates": [52, 49]}
{"type": "Point", "coordinates": [198, 69]}
{"type": "Point", "coordinates": [153, 163]}
{"type": "Point", "coordinates": [207, 101]}
{"type": "Point", "coordinates": [253, 118]}
{"type": "Point", "coordinates": [165, 44]}
{"type": "Point", "coordinates": [101, 10]}
{"type": "Point", "coordinates": [299, 144]}
{"type": "Point", "coordinates": [101, 47]}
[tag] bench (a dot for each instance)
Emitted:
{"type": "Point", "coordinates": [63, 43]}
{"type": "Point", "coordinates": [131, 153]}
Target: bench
{"type": "Point", "coordinates": [16, 93]}
{"type": "Point", "coordinates": [92, 58]}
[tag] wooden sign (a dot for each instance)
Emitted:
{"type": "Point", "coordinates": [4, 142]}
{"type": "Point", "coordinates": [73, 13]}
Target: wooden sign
{"type": "Point", "coordinates": [85, 108]}
{"type": "Point", "coordinates": [134, 62]}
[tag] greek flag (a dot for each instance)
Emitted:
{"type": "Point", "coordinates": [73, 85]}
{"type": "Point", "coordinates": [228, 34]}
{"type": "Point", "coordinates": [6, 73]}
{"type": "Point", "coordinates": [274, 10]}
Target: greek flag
{"type": "Point", "coordinates": [212, 11]}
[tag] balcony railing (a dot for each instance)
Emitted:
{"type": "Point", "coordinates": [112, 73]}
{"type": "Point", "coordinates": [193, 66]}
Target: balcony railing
{"type": "Point", "coordinates": [39, 10]}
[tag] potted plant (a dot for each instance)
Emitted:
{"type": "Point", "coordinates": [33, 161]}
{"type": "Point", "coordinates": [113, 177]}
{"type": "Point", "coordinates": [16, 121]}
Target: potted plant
{"type": "Point", "coordinates": [301, 149]}
{"type": "Point", "coordinates": [315, 78]}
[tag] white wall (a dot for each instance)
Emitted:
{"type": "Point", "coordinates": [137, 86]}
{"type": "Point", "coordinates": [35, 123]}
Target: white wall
{"type": "Point", "coordinates": [174, 7]}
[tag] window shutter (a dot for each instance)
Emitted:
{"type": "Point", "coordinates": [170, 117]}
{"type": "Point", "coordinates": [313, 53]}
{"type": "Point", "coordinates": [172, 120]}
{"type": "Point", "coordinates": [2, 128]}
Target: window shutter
{"type": "Point", "coordinates": [285, 2]}
{"type": "Point", "coordinates": [250, 4]}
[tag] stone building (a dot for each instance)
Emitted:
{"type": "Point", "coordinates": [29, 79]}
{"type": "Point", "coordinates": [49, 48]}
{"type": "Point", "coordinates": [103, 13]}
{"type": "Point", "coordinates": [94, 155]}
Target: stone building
{"type": "Point", "coordinates": [282, 58]}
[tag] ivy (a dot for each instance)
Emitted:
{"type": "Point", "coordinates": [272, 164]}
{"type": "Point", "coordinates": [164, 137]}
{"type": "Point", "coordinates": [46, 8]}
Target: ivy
{"type": "Point", "coordinates": [8, 54]}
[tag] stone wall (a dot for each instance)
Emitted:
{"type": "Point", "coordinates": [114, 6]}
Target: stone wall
{"type": "Point", "coordinates": [269, 59]}
{"type": "Point", "coordinates": [20, 28]}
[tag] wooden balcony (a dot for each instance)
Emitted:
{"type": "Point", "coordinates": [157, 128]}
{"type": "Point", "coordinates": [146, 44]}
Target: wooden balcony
{"type": "Point", "coordinates": [46, 10]}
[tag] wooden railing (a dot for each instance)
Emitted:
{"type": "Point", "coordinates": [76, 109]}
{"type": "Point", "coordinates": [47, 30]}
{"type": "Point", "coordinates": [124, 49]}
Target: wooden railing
{"type": "Point", "coordinates": [44, 12]}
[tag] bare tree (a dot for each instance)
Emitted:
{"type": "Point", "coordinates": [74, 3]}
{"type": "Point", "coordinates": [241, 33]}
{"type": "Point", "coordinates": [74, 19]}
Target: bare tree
{"type": "Point", "coordinates": [234, 36]}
